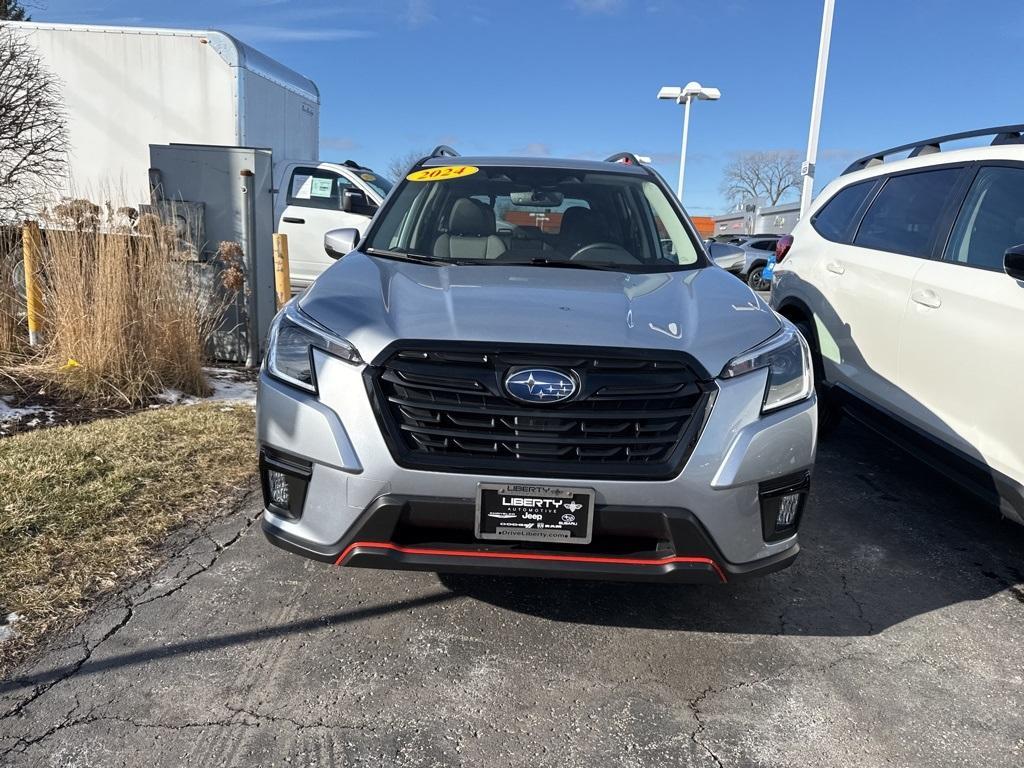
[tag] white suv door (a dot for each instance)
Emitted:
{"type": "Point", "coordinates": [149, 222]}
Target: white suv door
{"type": "Point", "coordinates": [866, 272]}
{"type": "Point", "coordinates": [961, 355]}
{"type": "Point", "coordinates": [313, 207]}
{"type": "Point", "coordinates": [871, 280]}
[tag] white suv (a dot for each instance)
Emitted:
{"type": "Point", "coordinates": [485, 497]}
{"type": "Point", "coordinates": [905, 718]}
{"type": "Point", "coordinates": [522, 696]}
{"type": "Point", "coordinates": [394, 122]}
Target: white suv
{"type": "Point", "coordinates": [907, 278]}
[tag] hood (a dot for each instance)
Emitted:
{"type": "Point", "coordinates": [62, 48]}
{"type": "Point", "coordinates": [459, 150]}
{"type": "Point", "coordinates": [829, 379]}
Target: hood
{"type": "Point", "coordinates": [706, 313]}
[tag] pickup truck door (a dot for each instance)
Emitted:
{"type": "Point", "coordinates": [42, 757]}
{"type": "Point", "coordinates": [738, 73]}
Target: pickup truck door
{"type": "Point", "coordinates": [961, 355]}
{"type": "Point", "coordinates": [313, 206]}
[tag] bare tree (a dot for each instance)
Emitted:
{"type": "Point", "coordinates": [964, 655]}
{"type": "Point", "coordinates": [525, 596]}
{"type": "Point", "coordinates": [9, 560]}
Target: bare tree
{"type": "Point", "coordinates": [12, 10]}
{"type": "Point", "coordinates": [761, 176]}
{"type": "Point", "coordinates": [33, 130]}
{"type": "Point", "coordinates": [399, 165]}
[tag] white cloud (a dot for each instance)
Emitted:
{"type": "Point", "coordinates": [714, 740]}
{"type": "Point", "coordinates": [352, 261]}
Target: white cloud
{"type": "Point", "coordinates": [599, 6]}
{"type": "Point", "coordinates": [419, 12]}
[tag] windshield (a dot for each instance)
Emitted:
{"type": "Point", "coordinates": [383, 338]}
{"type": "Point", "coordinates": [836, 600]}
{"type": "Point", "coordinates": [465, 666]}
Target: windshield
{"type": "Point", "coordinates": [534, 216]}
{"type": "Point", "coordinates": [374, 180]}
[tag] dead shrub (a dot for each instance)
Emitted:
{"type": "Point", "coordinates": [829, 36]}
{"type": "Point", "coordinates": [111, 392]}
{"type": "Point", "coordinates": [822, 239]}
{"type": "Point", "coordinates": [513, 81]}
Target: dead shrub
{"type": "Point", "coordinates": [126, 315]}
{"type": "Point", "coordinates": [11, 343]}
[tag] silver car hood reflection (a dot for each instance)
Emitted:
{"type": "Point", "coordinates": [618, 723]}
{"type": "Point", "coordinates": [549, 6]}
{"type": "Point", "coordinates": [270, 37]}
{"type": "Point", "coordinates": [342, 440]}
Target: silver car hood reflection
{"type": "Point", "coordinates": [373, 302]}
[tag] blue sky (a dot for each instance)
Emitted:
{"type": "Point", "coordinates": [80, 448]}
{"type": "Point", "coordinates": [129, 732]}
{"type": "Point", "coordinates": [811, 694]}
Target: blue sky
{"type": "Point", "coordinates": [579, 77]}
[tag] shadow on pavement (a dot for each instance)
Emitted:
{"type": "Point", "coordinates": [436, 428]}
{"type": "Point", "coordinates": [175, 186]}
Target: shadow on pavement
{"type": "Point", "coordinates": [884, 539]}
{"type": "Point", "coordinates": [201, 645]}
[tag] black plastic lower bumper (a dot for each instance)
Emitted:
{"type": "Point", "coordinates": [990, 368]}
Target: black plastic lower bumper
{"type": "Point", "coordinates": [629, 544]}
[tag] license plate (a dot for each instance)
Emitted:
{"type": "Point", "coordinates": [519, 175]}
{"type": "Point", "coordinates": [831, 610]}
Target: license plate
{"type": "Point", "coordinates": [534, 513]}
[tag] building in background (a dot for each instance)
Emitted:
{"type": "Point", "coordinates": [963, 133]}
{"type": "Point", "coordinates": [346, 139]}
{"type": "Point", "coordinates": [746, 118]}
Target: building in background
{"type": "Point", "coordinates": [776, 219]}
{"type": "Point", "coordinates": [705, 225]}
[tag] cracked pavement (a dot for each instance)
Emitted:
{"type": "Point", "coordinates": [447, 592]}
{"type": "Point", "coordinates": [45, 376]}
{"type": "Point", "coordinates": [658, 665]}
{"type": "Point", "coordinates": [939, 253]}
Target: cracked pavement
{"type": "Point", "coordinates": [895, 639]}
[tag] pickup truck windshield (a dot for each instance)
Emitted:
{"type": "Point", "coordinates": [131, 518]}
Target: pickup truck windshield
{"type": "Point", "coordinates": [378, 183]}
{"type": "Point", "coordinates": [533, 216]}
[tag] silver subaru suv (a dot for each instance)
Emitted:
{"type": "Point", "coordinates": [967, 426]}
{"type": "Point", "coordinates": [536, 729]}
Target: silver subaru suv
{"type": "Point", "coordinates": [531, 366]}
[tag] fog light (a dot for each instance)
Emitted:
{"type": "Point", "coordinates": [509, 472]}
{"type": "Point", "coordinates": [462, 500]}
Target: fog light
{"type": "Point", "coordinates": [788, 507]}
{"type": "Point", "coordinates": [782, 502]}
{"type": "Point", "coordinates": [284, 480]}
{"type": "Point", "coordinates": [277, 488]}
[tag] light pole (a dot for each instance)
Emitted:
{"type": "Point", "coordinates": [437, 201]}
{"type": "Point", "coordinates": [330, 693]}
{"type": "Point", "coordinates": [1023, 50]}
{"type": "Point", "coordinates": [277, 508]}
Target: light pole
{"type": "Point", "coordinates": [807, 169]}
{"type": "Point", "coordinates": [686, 94]}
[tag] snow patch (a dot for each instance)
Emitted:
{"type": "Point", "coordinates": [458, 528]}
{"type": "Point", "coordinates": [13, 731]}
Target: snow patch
{"type": "Point", "coordinates": [9, 412]}
{"type": "Point", "coordinates": [7, 627]}
{"type": "Point", "coordinates": [31, 415]}
{"type": "Point", "coordinates": [229, 386]}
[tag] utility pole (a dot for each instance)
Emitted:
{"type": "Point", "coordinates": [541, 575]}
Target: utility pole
{"type": "Point", "coordinates": [682, 151]}
{"type": "Point", "coordinates": [807, 169]}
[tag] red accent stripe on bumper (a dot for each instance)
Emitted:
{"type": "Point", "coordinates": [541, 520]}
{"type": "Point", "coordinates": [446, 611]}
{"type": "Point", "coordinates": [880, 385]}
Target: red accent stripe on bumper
{"type": "Point", "coordinates": [525, 556]}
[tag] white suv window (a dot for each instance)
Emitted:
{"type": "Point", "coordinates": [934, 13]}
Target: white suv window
{"type": "Point", "coordinates": [991, 219]}
{"type": "Point", "coordinates": [905, 214]}
{"type": "Point", "coordinates": [836, 219]}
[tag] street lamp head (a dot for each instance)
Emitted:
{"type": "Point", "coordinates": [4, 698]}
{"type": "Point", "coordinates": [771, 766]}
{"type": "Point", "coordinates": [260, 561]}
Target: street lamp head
{"type": "Point", "coordinates": [694, 89]}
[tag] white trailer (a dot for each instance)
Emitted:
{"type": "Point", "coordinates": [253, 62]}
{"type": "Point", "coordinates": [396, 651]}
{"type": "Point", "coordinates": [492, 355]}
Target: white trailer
{"type": "Point", "coordinates": [127, 88]}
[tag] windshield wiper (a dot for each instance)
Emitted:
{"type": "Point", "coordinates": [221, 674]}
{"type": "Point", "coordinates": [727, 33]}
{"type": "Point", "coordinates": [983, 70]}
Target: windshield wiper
{"type": "Point", "coordinates": [407, 256]}
{"type": "Point", "coordinates": [563, 264]}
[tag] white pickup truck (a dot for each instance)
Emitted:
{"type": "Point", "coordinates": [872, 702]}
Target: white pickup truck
{"type": "Point", "coordinates": [177, 86]}
{"type": "Point", "coordinates": [313, 198]}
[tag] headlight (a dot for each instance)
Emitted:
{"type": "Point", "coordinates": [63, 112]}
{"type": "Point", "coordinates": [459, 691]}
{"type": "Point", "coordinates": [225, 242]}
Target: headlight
{"type": "Point", "coordinates": [790, 376]}
{"type": "Point", "coordinates": [290, 348]}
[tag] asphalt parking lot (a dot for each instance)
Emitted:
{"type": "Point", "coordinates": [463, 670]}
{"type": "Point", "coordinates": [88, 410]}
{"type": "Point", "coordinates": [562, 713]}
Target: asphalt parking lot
{"type": "Point", "coordinates": [896, 639]}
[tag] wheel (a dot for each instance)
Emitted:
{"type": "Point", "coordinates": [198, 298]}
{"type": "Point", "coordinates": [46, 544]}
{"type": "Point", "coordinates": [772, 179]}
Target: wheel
{"type": "Point", "coordinates": [829, 412]}
{"type": "Point", "coordinates": [756, 281]}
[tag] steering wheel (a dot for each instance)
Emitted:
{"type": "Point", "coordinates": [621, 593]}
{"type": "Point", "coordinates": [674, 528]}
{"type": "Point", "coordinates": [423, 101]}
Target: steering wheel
{"type": "Point", "coordinates": [583, 252]}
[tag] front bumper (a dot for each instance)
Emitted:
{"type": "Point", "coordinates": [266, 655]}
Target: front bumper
{"type": "Point", "coordinates": [399, 533]}
{"type": "Point", "coordinates": [711, 510]}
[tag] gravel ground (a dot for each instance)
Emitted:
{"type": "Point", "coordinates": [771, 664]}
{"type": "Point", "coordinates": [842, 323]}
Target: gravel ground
{"type": "Point", "coordinates": [896, 639]}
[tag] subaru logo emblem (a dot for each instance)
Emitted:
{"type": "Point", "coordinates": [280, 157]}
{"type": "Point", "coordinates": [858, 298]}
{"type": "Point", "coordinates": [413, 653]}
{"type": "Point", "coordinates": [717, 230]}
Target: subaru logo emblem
{"type": "Point", "coordinates": [540, 385]}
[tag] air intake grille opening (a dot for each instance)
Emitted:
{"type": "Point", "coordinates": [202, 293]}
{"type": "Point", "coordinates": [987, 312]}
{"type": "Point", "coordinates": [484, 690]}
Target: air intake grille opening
{"type": "Point", "coordinates": [637, 414]}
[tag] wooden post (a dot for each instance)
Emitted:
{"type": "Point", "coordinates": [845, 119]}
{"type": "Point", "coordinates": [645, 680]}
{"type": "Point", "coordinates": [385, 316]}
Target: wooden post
{"type": "Point", "coordinates": [31, 247]}
{"type": "Point", "coordinates": [282, 279]}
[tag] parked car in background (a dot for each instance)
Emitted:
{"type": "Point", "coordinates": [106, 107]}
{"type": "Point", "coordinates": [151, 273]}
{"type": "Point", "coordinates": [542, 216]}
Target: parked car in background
{"type": "Point", "coordinates": [466, 391]}
{"type": "Point", "coordinates": [731, 258]}
{"type": "Point", "coordinates": [757, 250]}
{"type": "Point", "coordinates": [907, 278]}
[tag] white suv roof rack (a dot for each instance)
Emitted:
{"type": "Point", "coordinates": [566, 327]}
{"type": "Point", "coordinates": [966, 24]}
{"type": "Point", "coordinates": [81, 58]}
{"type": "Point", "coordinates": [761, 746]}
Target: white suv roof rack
{"type": "Point", "coordinates": [1004, 134]}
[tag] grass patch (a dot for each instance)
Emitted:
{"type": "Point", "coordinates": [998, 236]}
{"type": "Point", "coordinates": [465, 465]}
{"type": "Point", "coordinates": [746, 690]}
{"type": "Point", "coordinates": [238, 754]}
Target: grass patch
{"type": "Point", "coordinates": [85, 508]}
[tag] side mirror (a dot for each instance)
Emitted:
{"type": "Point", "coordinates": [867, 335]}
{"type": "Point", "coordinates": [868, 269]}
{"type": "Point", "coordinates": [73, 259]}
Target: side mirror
{"type": "Point", "coordinates": [354, 201]}
{"type": "Point", "coordinates": [338, 242]}
{"type": "Point", "coordinates": [1013, 262]}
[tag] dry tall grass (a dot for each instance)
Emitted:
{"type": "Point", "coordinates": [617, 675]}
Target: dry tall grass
{"type": "Point", "coordinates": [126, 316]}
{"type": "Point", "coordinates": [10, 303]}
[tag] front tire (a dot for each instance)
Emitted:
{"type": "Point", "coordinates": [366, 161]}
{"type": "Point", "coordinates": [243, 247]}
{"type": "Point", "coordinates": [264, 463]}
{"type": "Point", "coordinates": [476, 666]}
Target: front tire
{"type": "Point", "coordinates": [829, 412]}
{"type": "Point", "coordinates": [755, 279]}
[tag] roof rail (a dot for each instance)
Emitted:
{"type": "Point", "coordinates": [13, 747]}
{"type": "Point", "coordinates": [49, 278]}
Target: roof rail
{"type": "Point", "coordinates": [1004, 134]}
{"type": "Point", "coordinates": [443, 149]}
{"type": "Point", "coordinates": [624, 157]}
